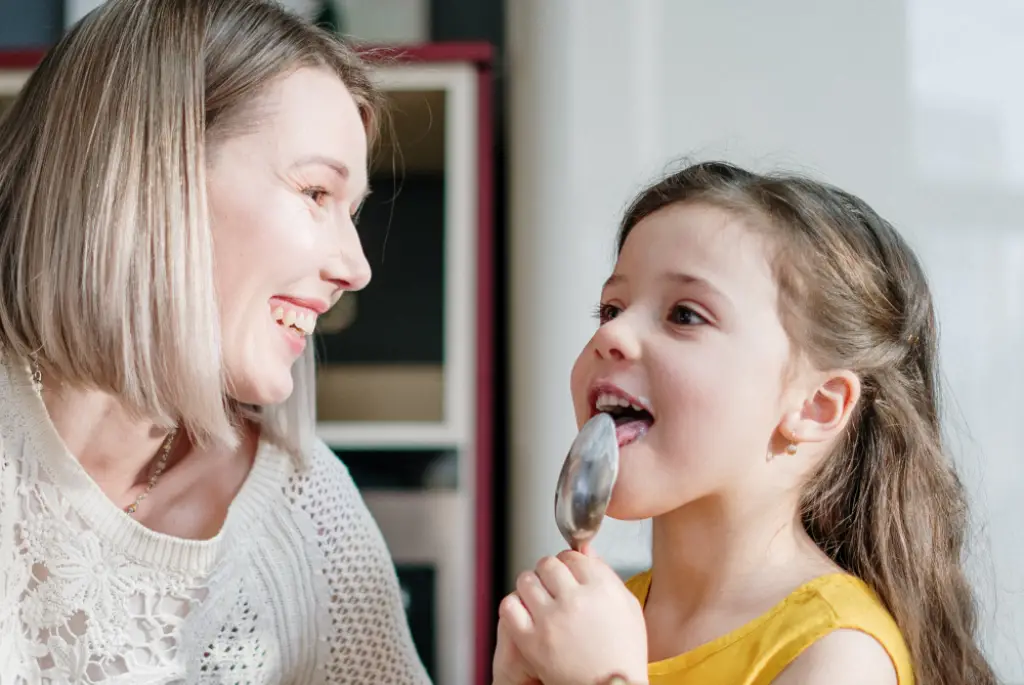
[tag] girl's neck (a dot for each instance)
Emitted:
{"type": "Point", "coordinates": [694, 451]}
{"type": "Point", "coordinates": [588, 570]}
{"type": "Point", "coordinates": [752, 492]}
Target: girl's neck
{"type": "Point", "coordinates": [714, 551]}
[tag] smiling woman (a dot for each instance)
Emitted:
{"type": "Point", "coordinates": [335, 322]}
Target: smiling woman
{"type": "Point", "coordinates": [166, 511]}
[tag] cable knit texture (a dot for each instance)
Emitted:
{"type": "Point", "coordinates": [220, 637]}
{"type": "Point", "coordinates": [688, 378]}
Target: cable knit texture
{"type": "Point", "coordinates": [298, 588]}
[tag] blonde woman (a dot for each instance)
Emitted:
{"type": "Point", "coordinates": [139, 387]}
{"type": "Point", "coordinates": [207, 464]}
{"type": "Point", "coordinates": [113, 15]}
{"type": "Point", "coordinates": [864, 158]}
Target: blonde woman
{"type": "Point", "coordinates": [178, 182]}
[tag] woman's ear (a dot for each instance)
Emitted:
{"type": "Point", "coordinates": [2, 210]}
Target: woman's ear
{"type": "Point", "coordinates": [825, 413]}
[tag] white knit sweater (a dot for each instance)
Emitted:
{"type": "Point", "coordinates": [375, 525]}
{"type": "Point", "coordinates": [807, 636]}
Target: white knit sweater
{"type": "Point", "coordinates": [297, 589]}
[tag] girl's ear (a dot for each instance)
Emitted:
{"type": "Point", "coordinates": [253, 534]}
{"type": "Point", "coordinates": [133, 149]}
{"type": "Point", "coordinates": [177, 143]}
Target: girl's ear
{"type": "Point", "coordinates": [825, 413]}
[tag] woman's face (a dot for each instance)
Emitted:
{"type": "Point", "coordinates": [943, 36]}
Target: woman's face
{"type": "Point", "coordinates": [283, 196]}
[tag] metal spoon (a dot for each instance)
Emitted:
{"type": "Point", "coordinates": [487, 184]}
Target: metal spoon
{"type": "Point", "coordinates": [586, 481]}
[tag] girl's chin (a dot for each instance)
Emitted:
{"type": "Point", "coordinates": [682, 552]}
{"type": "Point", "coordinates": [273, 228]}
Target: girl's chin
{"type": "Point", "coordinates": [626, 510]}
{"type": "Point", "coordinates": [632, 501]}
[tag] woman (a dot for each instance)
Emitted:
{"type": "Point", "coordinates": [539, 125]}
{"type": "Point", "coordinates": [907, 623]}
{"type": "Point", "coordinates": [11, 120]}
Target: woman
{"type": "Point", "coordinates": [178, 182]}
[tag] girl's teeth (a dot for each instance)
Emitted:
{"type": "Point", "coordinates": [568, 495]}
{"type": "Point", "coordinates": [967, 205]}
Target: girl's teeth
{"type": "Point", "coordinates": [607, 401]}
{"type": "Point", "coordinates": [289, 318]}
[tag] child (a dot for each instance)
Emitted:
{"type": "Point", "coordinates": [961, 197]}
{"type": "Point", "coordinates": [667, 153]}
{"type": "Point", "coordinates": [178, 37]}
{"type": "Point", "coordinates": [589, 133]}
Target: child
{"type": "Point", "coordinates": [767, 345]}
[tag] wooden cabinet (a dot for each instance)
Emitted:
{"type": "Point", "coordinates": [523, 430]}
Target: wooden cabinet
{"type": "Point", "coordinates": [406, 369]}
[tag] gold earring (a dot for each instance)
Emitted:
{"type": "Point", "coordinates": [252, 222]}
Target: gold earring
{"type": "Point", "coordinates": [791, 448]}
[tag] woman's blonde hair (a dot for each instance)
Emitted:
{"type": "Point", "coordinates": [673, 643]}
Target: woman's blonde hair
{"type": "Point", "coordinates": [106, 258]}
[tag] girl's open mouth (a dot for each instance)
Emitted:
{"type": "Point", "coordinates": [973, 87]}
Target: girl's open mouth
{"type": "Point", "coordinates": [632, 416]}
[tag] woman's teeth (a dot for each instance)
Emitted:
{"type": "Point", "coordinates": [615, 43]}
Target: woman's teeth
{"type": "Point", "coordinates": [303, 322]}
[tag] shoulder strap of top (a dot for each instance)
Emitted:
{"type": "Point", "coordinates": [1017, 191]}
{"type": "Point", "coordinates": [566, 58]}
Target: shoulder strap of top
{"type": "Point", "coordinates": [826, 604]}
{"type": "Point", "coordinates": [819, 607]}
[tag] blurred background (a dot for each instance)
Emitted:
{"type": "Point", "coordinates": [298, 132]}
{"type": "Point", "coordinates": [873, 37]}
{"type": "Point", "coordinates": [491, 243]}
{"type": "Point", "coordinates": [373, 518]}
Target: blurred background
{"type": "Point", "coordinates": [522, 129]}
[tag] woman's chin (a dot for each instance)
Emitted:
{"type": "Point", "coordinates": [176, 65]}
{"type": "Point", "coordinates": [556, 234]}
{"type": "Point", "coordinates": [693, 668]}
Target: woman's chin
{"type": "Point", "coordinates": [264, 389]}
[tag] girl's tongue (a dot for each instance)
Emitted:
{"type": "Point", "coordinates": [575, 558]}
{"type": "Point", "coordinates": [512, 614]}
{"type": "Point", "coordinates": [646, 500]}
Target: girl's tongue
{"type": "Point", "coordinates": [631, 428]}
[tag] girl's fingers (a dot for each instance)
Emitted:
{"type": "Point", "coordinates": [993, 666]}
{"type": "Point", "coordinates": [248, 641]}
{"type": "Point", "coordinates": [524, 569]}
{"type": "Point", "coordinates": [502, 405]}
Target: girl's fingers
{"type": "Point", "coordinates": [583, 568]}
{"type": "Point", "coordinates": [556, 576]}
{"type": "Point", "coordinates": [532, 593]}
{"type": "Point", "coordinates": [515, 614]}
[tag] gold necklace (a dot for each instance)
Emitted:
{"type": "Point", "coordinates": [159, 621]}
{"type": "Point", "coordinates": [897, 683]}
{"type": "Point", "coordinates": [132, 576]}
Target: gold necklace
{"type": "Point", "coordinates": [162, 455]}
{"type": "Point", "coordinates": [161, 464]}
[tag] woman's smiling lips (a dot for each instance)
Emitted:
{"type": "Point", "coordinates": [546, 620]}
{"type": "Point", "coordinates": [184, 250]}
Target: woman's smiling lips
{"type": "Point", "coordinates": [296, 316]}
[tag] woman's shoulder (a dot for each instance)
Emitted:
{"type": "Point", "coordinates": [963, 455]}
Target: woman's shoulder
{"type": "Point", "coordinates": [313, 486]}
{"type": "Point", "coordinates": [329, 511]}
{"type": "Point", "coordinates": [319, 460]}
{"type": "Point", "coordinates": [321, 479]}
{"type": "Point", "coordinates": [352, 591]}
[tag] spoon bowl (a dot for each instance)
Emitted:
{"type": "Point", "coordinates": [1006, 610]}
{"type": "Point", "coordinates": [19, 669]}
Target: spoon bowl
{"type": "Point", "coordinates": [586, 481]}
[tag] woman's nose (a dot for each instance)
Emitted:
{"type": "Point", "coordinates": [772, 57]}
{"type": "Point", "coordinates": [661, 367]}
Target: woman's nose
{"type": "Point", "coordinates": [347, 268]}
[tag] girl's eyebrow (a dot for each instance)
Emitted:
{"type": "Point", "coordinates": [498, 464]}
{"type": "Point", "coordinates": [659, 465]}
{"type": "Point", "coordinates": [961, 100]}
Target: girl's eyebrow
{"type": "Point", "coordinates": [675, 277]}
{"type": "Point", "coordinates": [682, 278]}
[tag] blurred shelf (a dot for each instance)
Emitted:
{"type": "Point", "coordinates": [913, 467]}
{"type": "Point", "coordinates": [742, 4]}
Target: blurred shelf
{"type": "Point", "coordinates": [387, 435]}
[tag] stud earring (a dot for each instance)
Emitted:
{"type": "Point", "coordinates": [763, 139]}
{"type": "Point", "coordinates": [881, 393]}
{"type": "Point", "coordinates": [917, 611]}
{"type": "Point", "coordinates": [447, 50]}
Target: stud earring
{"type": "Point", "coordinates": [791, 448]}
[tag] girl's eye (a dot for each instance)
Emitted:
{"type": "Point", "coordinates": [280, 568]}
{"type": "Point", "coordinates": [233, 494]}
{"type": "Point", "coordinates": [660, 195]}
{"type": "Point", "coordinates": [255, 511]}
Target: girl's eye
{"type": "Point", "coordinates": [316, 194]}
{"type": "Point", "coordinates": [681, 315]}
{"type": "Point", "coordinates": [606, 312]}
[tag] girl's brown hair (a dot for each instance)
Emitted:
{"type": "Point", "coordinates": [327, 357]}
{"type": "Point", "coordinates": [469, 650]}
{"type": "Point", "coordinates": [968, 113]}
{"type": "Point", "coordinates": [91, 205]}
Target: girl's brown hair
{"type": "Point", "coordinates": [886, 505]}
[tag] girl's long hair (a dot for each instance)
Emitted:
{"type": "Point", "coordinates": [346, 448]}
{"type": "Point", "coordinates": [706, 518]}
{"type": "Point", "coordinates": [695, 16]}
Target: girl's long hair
{"type": "Point", "coordinates": [886, 505]}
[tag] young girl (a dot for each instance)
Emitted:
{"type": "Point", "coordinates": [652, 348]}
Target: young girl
{"type": "Point", "coordinates": [767, 345]}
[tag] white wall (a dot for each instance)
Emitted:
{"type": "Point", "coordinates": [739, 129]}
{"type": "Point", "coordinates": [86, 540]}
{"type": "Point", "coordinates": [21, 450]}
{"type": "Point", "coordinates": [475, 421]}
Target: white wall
{"type": "Point", "coordinates": [915, 105]}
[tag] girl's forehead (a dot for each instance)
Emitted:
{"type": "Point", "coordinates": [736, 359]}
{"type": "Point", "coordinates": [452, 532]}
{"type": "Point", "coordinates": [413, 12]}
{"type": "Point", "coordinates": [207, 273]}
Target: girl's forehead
{"type": "Point", "coordinates": [702, 242]}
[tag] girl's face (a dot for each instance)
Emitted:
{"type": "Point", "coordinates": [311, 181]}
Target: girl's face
{"type": "Point", "coordinates": [690, 334]}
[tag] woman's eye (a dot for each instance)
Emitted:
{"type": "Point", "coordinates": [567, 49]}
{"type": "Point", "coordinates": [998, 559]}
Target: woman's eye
{"type": "Point", "coordinates": [681, 315]}
{"type": "Point", "coordinates": [316, 194]}
{"type": "Point", "coordinates": [606, 312]}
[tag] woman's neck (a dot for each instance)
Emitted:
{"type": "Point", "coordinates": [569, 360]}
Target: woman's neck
{"type": "Point", "coordinates": [114, 447]}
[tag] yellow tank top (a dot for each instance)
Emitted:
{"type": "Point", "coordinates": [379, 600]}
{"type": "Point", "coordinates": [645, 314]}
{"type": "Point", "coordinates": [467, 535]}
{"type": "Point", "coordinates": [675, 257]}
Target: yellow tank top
{"type": "Point", "coordinates": [757, 652]}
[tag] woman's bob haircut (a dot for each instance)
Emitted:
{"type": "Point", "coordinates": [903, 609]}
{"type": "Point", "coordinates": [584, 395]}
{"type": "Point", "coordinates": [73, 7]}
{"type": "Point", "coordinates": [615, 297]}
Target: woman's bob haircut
{"type": "Point", "coordinates": [106, 259]}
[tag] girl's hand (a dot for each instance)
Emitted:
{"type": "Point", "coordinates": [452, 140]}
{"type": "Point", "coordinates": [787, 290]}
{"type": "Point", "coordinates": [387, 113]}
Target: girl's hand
{"type": "Point", "coordinates": [575, 623]}
{"type": "Point", "coordinates": [509, 667]}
